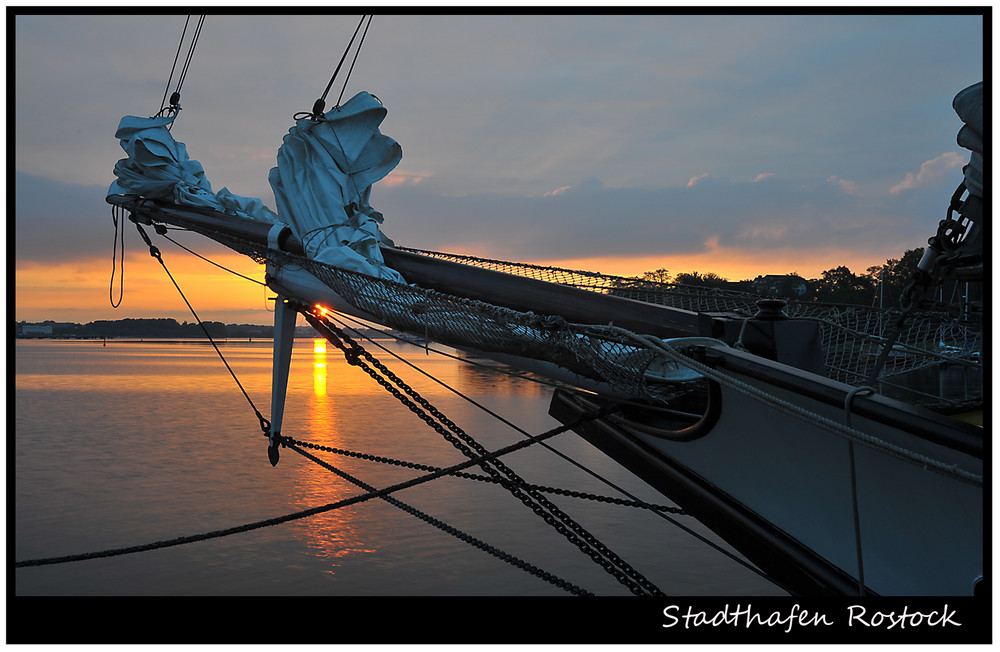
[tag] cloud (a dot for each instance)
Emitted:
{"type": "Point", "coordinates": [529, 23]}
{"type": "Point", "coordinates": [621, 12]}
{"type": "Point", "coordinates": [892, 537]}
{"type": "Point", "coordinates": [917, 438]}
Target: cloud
{"type": "Point", "coordinates": [403, 178]}
{"type": "Point", "coordinates": [932, 172]}
{"type": "Point", "coordinates": [696, 179]}
{"type": "Point", "coordinates": [499, 127]}
{"type": "Point", "coordinates": [844, 185]}
{"type": "Point", "coordinates": [588, 220]}
{"type": "Point", "coordinates": [57, 223]}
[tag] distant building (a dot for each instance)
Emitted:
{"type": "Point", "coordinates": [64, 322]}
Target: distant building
{"type": "Point", "coordinates": [36, 330]}
{"type": "Point", "coordinates": [783, 286]}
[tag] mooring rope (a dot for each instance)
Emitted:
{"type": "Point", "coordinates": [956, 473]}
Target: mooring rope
{"type": "Point", "coordinates": [855, 512]}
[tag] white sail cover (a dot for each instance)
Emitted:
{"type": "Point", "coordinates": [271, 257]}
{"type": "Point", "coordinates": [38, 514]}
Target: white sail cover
{"type": "Point", "coordinates": [158, 167]}
{"type": "Point", "coordinates": [968, 104]}
{"type": "Point", "coordinates": [322, 184]}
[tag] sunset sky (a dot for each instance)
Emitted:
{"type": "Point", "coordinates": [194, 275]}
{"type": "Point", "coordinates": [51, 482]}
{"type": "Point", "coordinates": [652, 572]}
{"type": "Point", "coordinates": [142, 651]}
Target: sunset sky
{"type": "Point", "coordinates": [737, 144]}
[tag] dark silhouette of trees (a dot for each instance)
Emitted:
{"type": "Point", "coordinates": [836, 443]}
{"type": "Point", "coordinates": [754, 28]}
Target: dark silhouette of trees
{"type": "Point", "coordinates": [656, 276]}
{"type": "Point", "coordinates": [841, 285]}
{"type": "Point", "coordinates": [836, 285]}
{"type": "Point", "coordinates": [707, 280]}
{"type": "Point", "coordinates": [893, 277]}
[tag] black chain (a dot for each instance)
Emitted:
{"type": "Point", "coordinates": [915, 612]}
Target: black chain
{"type": "Point", "coordinates": [444, 527]}
{"type": "Point", "coordinates": [571, 493]}
{"type": "Point", "coordinates": [563, 524]}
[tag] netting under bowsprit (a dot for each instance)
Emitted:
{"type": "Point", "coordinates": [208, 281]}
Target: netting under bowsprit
{"type": "Point", "coordinates": [852, 335]}
{"type": "Point", "coordinates": [593, 352]}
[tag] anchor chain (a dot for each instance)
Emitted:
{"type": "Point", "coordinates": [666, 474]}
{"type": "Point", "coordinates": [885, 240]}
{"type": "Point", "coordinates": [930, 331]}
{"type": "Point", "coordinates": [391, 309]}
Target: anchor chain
{"type": "Point", "coordinates": [449, 529]}
{"type": "Point", "coordinates": [356, 355]}
{"type": "Point", "coordinates": [571, 493]}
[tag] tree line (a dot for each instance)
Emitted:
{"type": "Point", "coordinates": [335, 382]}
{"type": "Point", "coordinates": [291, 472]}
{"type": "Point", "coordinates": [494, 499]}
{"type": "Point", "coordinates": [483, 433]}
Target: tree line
{"type": "Point", "coordinates": [153, 328]}
{"type": "Point", "coordinates": [879, 284]}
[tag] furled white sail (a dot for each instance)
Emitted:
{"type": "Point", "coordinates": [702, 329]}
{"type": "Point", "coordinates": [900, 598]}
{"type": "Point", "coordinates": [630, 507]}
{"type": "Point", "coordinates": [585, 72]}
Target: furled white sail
{"type": "Point", "coordinates": [322, 184]}
{"type": "Point", "coordinates": [158, 167]}
{"type": "Point", "coordinates": [968, 104]}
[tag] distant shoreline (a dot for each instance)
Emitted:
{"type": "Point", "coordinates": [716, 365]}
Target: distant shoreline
{"type": "Point", "coordinates": [146, 340]}
{"type": "Point", "coordinates": [302, 333]}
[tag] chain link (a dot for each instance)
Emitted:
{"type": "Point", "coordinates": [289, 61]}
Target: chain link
{"type": "Point", "coordinates": [449, 529]}
{"type": "Point", "coordinates": [571, 493]}
{"type": "Point", "coordinates": [356, 355]}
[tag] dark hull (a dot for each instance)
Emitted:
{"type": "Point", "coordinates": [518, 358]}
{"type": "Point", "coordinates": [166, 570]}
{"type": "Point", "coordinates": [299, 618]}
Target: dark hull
{"type": "Point", "coordinates": [765, 482]}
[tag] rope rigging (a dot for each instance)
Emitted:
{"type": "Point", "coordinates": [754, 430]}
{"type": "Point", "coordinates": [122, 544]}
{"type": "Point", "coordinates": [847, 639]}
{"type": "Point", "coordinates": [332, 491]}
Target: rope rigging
{"type": "Point", "coordinates": [319, 106]}
{"type": "Point", "coordinates": [529, 495]}
{"type": "Point", "coordinates": [211, 262]}
{"type": "Point", "coordinates": [631, 502]}
{"type": "Point", "coordinates": [175, 98]}
{"type": "Point", "coordinates": [118, 217]}
{"type": "Point", "coordinates": [154, 251]}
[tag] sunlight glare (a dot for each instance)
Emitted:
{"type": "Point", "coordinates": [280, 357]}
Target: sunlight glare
{"type": "Point", "coordinates": [319, 367]}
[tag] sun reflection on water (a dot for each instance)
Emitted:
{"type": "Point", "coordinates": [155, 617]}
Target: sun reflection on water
{"type": "Point", "coordinates": [336, 534]}
{"type": "Point", "coordinates": [319, 367]}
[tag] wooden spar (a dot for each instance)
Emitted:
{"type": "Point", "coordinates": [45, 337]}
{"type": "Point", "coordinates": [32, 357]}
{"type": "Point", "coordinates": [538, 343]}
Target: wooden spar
{"type": "Point", "coordinates": [466, 281]}
{"type": "Point", "coordinates": [284, 336]}
{"type": "Point", "coordinates": [531, 295]}
{"type": "Point", "coordinates": [198, 219]}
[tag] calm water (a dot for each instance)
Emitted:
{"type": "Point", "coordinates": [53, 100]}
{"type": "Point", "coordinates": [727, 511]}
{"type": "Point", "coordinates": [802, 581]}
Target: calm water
{"type": "Point", "coordinates": [132, 443]}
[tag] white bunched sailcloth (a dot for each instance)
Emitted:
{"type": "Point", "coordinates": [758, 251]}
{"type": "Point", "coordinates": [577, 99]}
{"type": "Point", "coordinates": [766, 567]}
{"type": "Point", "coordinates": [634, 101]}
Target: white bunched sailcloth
{"type": "Point", "coordinates": [158, 167]}
{"type": "Point", "coordinates": [322, 184]}
{"type": "Point", "coordinates": [969, 106]}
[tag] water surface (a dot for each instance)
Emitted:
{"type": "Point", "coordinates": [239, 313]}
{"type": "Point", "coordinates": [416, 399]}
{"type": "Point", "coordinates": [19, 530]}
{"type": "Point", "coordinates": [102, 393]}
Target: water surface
{"type": "Point", "coordinates": [137, 442]}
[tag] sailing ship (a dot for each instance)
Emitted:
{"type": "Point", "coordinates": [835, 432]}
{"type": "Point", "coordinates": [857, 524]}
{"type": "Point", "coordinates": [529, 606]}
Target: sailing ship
{"type": "Point", "coordinates": [770, 421]}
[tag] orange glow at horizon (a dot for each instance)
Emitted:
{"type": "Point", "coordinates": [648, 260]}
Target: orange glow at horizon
{"type": "Point", "coordinates": [78, 291]}
{"type": "Point", "coordinates": [731, 264]}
